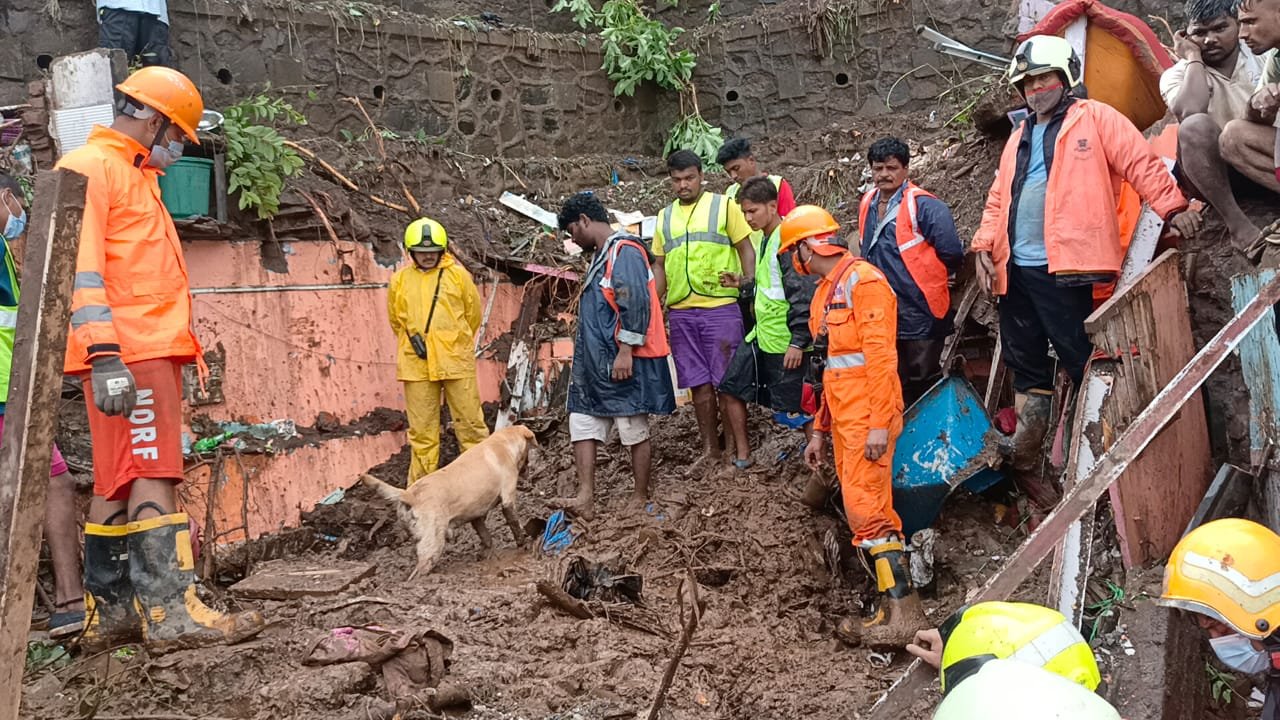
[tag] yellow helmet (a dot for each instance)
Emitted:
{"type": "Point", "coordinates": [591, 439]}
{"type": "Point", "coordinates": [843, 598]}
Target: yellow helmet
{"type": "Point", "coordinates": [425, 235]}
{"type": "Point", "coordinates": [1023, 632]}
{"type": "Point", "coordinates": [1229, 570]}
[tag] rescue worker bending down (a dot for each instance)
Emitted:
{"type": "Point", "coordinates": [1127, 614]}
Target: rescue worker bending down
{"type": "Point", "coordinates": [1227, 572]}
{"type": "Point", "coordinates": [1018, 661]}
{"type": "Point", "coordinates": [130, 336]}
{"type": "Point", "coordinates": [1049, 232]}
{"type": "Point", "coordinates": [435, 311]}
{"type": "Point", "coordinates": [855, 311]}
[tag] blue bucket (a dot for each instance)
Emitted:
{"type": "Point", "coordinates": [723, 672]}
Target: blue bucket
{"type": "Point", "coordinates": [947, 441]}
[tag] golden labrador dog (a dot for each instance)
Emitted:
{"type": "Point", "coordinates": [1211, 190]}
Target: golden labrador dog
{"type": "Point", "coordinates": [464, 491]}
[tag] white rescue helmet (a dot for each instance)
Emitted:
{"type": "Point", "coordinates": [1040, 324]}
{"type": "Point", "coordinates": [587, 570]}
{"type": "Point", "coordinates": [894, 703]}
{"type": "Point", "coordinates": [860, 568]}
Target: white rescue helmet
{"type": "Point", "coordinates": [1039, 54]}
{"type": "Point", "coordinates": [1013, 690]}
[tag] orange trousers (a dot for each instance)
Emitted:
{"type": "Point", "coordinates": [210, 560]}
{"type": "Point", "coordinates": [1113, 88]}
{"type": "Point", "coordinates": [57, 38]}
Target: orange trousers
{"type": "Point", "coordinates": [866, 485]}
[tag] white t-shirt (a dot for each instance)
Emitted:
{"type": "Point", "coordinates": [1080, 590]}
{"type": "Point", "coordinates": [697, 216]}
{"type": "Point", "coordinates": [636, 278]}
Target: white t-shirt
{"type": "Point", "coordinates": [1228, 96]}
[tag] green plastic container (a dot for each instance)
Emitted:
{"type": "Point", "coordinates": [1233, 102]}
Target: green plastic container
{"type": "Point", "coordinates": [184, 187]}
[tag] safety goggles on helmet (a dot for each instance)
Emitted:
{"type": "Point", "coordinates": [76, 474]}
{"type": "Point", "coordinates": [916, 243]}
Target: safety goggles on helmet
{"type": "Point", "coordinates": [1044, 53]}
{"type": "Point", "coordinates": [1022, 632]}
{"type": "Point", "coordinates": [1228, 570]}
{"type": "Point", "coordinates": [425, 235]}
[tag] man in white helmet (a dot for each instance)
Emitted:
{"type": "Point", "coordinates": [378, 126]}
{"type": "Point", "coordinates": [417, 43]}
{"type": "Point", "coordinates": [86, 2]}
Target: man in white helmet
{"type": "Point", "coordinates": [1049, 231]}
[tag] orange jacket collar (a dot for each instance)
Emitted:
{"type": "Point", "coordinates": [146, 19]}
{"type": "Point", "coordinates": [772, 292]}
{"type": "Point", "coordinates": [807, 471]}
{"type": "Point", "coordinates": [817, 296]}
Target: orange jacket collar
{"type": "Point", "coordinates": [126, 147]}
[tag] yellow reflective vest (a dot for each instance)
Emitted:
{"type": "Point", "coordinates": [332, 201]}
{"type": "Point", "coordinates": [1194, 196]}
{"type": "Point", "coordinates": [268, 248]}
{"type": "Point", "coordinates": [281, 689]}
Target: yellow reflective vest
{"type": "Point", "coordinates": [696, 246]}
{"type": "Point", "coordinates": [451, 337]}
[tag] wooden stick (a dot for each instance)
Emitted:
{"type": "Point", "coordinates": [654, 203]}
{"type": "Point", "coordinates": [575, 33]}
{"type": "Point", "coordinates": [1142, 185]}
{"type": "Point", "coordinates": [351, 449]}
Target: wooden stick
{"type": "Point", "coordinates": [209, 563]}
{"type": "Point", "coordinates": [962, 315]}
{"type": "Point", "coordinates": [688, 598]}
{"type": "Point", "coordinates": [32, 411]}
{"type": "Point", "coordinates": [564, 601]}
{"type": "Point", "coordinates": [343, 179]}
{"type": "Point", "coordinates": [1081, 498]}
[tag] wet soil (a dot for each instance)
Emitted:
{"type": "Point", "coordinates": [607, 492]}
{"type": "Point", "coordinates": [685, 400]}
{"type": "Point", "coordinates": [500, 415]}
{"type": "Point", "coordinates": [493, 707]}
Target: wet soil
{"type": "Point", "coordinates": [764, 647]}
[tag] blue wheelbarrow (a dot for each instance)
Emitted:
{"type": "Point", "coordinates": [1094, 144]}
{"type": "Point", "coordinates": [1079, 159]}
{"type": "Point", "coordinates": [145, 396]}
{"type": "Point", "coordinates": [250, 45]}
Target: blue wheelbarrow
{"type": "Point", "coordinates": [947, 441]}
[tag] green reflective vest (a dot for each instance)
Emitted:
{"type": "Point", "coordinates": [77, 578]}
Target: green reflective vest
{"type": "Point", "coordinates": [8, 323]}
{"type": "Point", "coordinates": [732, 193]}
{"type": "Point", "coordinates": [771, 331]}
{"type": "Point", "coordinates": [696, 253]}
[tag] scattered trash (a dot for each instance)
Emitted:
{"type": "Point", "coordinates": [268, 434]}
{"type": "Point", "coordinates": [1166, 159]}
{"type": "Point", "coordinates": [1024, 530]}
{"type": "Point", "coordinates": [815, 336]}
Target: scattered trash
{"type": "Point", "coordinates": [608, 580]}
{"type": "Point", "coordinates": [204, 445]}
{"type": "Point", "coordinates": [556, 536]}
{"type": "Point", "coordinates": [879, 660]}
{"type": "Point", "coordinates": [334, 497]}
{"type": "Point", "coordinates": [921, 556]}
{"type": "Point", "coordinates": [410, 660]}
{"type": "Point", "coordinates": [528, 209]}
{"type": "Point", "coordinates": [795, 421]}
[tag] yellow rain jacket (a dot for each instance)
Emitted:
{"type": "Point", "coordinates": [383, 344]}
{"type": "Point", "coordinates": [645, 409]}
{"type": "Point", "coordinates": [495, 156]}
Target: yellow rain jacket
{"type": "Point", "coordinates": [451, 337]}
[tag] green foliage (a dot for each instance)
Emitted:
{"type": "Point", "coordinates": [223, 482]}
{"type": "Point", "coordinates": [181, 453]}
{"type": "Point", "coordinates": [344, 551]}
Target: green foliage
{"type": "Point", "coordinates": [1222, 684]}
{"type": "Point", "coordinates": [694, 133]}
{"type": "Point", "coordinates": [257, 159]}
{"type": "Point", "coordinates": [636, 47]}
{"type": "Point", "coordinates": [42, 654]}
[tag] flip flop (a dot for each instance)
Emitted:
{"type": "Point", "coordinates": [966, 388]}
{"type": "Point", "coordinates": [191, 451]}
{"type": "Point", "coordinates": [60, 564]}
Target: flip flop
{"type": "Point", "coordinates": [1270, 235]}
{"type": "Point", "coordinates": [743, 464]}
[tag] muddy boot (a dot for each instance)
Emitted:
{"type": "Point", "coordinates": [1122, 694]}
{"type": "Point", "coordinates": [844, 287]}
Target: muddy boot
{"type": "Point", "coordinates": [163, 573]}
{"type": "Point", "coordinates": [900, 615]}
{"type": "Point", "coordinates": [110, 616]}
{"type": "Point", "coordinates": [1026, 447]}
{"type": "Point", "coordinates": [816, 492]}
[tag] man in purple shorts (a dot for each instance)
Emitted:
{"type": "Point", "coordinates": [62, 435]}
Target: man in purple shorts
{"type": "Point", "coordinates": [60, 527]}
{"type": "Point", "coordinates": [698, 237]}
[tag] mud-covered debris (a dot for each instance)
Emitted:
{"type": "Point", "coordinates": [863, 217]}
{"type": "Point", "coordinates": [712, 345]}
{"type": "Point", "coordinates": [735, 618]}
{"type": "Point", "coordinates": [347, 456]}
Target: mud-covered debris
{"type": "Point", "coordinates": [608, 580]}
{"type": "Point", "coordinates": [410, 660]}
{"type": "Point", "coordinates": [285, 580]}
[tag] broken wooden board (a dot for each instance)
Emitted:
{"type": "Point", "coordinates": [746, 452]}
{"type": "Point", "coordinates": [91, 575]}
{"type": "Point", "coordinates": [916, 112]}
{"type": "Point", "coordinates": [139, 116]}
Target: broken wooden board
{"type": "Point", "coordinates": [897, 701]}
{"type": "Point", "coordinates": [288, 580]}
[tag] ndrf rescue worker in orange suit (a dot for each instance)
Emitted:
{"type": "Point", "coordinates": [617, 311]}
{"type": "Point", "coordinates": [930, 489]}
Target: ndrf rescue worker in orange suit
{"type": "Point", "coordinates": [130, 336]}
{"type": "Point", "coordinates": [854, 315]}
{"type": "Point", "coordinates": [435, 311]}
{"type": "Point", "coordinates": [1049, 231]}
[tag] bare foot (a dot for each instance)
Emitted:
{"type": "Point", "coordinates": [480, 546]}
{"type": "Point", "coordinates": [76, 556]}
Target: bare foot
{"type": "Point", "coordinates": [636, 505]}
{"type": "Point", "coordinates": [708, 462]}
{"type": "Point", "coordinates": [578, 507]}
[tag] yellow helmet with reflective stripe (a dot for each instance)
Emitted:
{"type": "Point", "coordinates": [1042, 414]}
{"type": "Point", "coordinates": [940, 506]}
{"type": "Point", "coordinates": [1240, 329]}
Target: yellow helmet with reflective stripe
{"type": "Point", "coordinates": [425, 235]}
{"type": "Point", "coordinates": [1022, 632]}
{"type": "Point", "coordinates": [1229, 570]}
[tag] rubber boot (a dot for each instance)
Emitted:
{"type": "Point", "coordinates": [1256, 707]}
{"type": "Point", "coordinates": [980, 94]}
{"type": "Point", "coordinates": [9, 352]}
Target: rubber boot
{"type": "Point", "coordinates": [163, 572]}
{"type": "Point", "coordinates": [900, 614]}
{"type": "Point", "coordinates": [110, 616]}
{"type": "Point", "coordinates": [1027, 447]}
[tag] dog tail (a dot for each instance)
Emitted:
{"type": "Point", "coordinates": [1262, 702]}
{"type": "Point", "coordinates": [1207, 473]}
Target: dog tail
{"type": "Point", "coordinates": [388, 491]}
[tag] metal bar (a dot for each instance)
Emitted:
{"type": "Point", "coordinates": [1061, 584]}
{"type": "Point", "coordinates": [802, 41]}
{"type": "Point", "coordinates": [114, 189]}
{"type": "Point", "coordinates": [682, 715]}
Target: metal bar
{"type": "Point", "coordinates": [1078, 501]}
{"type": "Point", "coordinates": [32, 412]}
{"type": "Point", "coordinates": [284, 288]}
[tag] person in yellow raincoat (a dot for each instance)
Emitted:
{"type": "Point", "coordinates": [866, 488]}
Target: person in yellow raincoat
{"type": "Point", "coordinates": [435, 311]}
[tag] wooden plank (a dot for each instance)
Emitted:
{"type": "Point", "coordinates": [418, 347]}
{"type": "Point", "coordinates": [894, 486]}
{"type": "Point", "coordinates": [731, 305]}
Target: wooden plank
{"type": "Point", "coordinates": [1260, 366]}
{"type": "Point", "coordinates": [897, 701]}
{"type": "Point", "coordinates": [31, 411]}
{"type": "Point", "coordinates": [952, 342]}
{"type": "Point", "coordinates": [995, 380]}
{"type": "Point", "coordinates": [287, 580]}
{"type": "Point", "coordinates": [1161, 489]}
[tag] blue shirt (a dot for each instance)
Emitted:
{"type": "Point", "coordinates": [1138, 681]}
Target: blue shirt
{"type": "Point", "coordinates": [880, 248]}
{"type": "Point", "coordinates": [1028, 227]}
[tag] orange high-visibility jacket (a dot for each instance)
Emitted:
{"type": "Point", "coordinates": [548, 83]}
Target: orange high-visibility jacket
{"type": "Point", "coordinates": [855, 307]}
{"type": "Point", "coordinates": [919, 257]}
{"type": "Point", "coordinates": [131, 295]}
{"type": "Point", "coordinates": [1096, 149]}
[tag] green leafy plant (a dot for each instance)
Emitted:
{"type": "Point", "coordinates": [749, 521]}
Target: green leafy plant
{"type": "Point", "coordinates": [43, 654]}
{"type": "Point", "coordinates": [694, 133]}
{"type": "Point", "coordinates": [1222, 684]}
{"type": "Point", "coordinates": [584, 14]}
{"type": "Point", "coordinates": [638, 48]}
{"type": "Point", "coordinates": [258, 161]}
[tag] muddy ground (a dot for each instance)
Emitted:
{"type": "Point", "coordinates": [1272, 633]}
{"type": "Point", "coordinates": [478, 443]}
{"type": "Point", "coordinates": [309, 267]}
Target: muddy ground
{"type": "Point", "coordinates": [764, 648]}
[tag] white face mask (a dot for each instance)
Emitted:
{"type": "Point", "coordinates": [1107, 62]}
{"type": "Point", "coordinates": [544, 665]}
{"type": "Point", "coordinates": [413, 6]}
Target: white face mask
{"type": "Point", "coordinates": [162, 156]}
{"type": "Point", "coordinates": [1238, 653]}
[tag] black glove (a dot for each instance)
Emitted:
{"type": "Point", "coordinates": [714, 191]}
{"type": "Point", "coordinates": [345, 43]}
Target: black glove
{"type": "Point", "coordinates": [114, 392]}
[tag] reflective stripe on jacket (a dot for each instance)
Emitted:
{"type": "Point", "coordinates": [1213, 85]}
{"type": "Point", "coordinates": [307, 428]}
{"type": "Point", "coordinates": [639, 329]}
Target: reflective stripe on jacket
{"type": "Point", "coordinates": [781, 301]}
{"type": "Point", "coordinates": [927, 271]}
{"type": "Point", "coordinates": [654, 342]}
{"type": "Point", "coordinates": [696, 254]}
{"type": "Point", "coordinates": [855, 308]}
{"type": "Point", "coordinates": [1095, 149]}
{"type": "Point", "coordinates": [131, 296]}
{"type": "Point", "coordinates": [451, 338]}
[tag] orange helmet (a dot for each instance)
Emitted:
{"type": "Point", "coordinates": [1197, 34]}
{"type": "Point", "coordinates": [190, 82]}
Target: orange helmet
{"type": "Point", "coordinates": [812, 223]}
{"type": "Point", "coordinates": [169, 93]}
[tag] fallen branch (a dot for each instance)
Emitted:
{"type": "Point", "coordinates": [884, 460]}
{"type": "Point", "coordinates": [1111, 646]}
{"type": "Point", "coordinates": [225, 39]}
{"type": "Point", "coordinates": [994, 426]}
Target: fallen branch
{"type": "Point", "coordinates": [564, 601]}
{"type": "Point", "coordinates": [356, 601]}
{"type": "Point", "coordinates": [343, 179]}
{"type": "Point", "coordinates": [382, 150]}
{"type": "Point", "coordinates": [688, 598]}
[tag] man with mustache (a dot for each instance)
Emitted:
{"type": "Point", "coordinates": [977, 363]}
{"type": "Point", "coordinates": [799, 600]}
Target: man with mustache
{"type": "Point", "coordinates": [1049, 231]}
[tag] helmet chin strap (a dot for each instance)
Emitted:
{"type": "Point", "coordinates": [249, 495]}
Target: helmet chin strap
{"type": "Point", "coordinates": [159, 138]}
